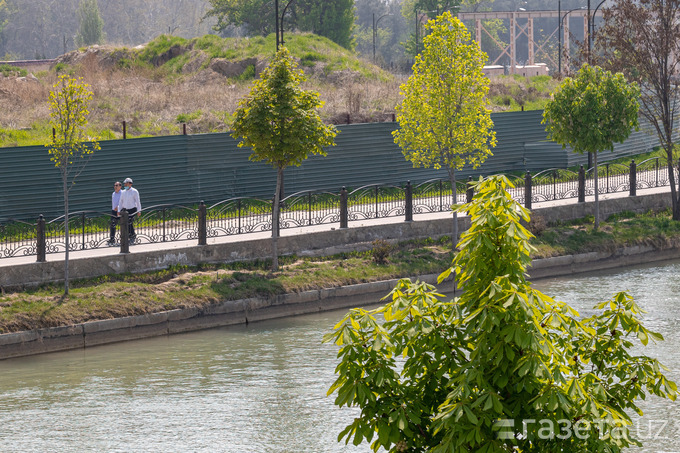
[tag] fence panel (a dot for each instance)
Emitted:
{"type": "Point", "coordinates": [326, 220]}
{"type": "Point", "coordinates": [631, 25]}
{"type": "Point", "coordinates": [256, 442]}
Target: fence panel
{"type": "Point", "coordinates": [17, 238]}
{"type": "Point", "coordinates": [309, 208]}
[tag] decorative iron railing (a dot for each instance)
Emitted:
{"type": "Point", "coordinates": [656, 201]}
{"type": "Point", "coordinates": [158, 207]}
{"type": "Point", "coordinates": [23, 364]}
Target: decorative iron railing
{"type": "Point", "coordinates": [167, 223]}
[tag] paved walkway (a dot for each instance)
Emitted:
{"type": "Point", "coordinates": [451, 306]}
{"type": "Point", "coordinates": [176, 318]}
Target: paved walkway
{"type": "Point", "coordinates": [110, 251]}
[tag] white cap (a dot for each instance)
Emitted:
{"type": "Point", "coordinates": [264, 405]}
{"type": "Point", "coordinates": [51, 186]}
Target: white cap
{"type": "Point", "coordinates": [127, 180]}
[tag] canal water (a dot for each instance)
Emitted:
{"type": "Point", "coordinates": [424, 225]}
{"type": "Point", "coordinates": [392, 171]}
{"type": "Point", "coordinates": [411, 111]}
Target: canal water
{"type": "Point", "coordinates": [257, 388]}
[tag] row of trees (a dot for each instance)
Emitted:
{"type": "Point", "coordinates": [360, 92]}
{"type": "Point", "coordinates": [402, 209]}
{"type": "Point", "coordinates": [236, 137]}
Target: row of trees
{"type": "Point", "coordinates": [47, 28]}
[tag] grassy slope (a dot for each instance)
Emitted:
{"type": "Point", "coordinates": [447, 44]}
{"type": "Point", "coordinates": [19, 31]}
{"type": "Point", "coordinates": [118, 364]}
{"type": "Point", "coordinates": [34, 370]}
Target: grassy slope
{"type": "Point", "coordinates": [123, 295]}
{"type": "Point", "coordinates": [154, 100]}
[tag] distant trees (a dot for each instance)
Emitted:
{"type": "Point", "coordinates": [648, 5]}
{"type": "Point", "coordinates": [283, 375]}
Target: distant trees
{"type": "Point", "coordinates": [91, 24]}
{"type": "Point", "coordinates": [333, 19]}
{"type": "Point", "coordinates": [48, 28]}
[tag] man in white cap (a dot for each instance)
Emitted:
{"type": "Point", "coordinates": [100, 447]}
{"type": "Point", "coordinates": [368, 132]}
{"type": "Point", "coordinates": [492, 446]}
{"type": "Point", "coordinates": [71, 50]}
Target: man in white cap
{"type": "Point", "coordinates": [129, 200]}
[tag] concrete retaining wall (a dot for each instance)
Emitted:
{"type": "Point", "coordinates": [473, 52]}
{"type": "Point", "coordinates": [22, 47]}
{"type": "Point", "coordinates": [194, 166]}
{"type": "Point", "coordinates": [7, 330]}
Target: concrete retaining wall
{"type": "Point", "coordinates": [258, 309]}
{"type": "Point", "coordinates": [184, 320]}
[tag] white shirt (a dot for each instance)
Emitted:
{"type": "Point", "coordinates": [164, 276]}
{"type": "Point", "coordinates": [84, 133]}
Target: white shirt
{"type": "Point", "coordinates": [129, 199]}
{"type": "Point", "coordinates": [115, 199]}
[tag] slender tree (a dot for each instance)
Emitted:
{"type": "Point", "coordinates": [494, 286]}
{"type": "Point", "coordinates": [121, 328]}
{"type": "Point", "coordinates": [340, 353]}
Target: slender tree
{"type": "Point", "coordinates": [642, 39]}
{"type": "Point", "coordinates": [69, 149]}
{"type": "Point", "coordinates": [502, 368]}
{"type": "Point", "coordinates": [91, 24]}
{"type": "Point", "coordinates": [443, 120]}
{"type": "Point", "coordinates": [591, 112]}
{"type": "Point", "coordinates": [280, 122]}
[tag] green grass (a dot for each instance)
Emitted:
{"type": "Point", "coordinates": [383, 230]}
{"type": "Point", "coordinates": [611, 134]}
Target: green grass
{"type": "Point", "coordinates": [12, 71]}
{"type": "Point", "coordinates": [621, 230]}
{"type": "Point", "coordinates": [182, 286]}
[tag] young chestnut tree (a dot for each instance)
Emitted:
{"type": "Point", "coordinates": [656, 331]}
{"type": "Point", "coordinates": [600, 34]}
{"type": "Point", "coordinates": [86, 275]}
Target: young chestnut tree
{"type": "Point", "coordinates": [280, 122]}
{"type": "Point", "coordinates": [70, 149]}
{"type": "Point", "coordinates": [443, 120]}
{"type": "Point", "coordinates": [503, 367]}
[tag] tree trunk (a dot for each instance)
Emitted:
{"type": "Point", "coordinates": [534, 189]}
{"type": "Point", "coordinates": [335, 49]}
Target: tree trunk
{"type": "Point", "coordinates": [454, 237]}
{"type": "Point", "coordinates": [597, 193]}
{"type": "Point", "coordinates": [66, 235]}
{"type": "Point", "coordinates": [671, 179]}
{"type": "Point", "coordinates": [275, 220]}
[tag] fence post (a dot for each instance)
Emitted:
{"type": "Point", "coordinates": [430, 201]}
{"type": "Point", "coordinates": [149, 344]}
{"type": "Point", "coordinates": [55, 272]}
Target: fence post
{"type": "Point", "coordinates": [124, 130]}
{"type": "Point", "coordinates": [202, 224]}
{"type": "Point", "coordinates": [633, 178]}
{"type": "Point", "coordinates": [343, 208]}
{"type": "Point", "coordinates": [408, 202]}
{"type": "Point", "coordinates": [527, 190]}
{"type": "Point", "coordinates": [124, 232]}
{"type": "Point", "coordinates": [581, 185]}
{"type": "Point", "coordinates": [41, 243]}
{"type": "Point", "coordinates": [470, 193]}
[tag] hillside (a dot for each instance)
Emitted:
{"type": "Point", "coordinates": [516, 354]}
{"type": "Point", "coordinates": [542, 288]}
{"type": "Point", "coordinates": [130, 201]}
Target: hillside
{"type": "Point", "coordinates": [170, 80]}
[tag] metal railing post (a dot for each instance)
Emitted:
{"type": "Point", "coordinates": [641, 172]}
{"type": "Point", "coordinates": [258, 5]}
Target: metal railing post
{"type": "Point", "coordinates": [82, 221]}
{"type": "Point", "coordinates": [41, 243]}
{"type": "Point", "coordinates": [633, 178]}
{"type": "Point", "coordinates": [408, 202]}
{"type": "Point", "coordinates": [202, 224]}
{"type": "Point", "coordinates": [344, 217]}
{"type": "Point", "coordinates": [581, 185]}
{"type": "Point", "coordinates": [124, 232]}
{"type": "Point", "coordinates": [470, 192]}
{"type": "Point", "coordinates": [527, 190]}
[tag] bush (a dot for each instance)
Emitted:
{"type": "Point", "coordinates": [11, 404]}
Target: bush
{"type": "Point", "coordinates": [381, 251]}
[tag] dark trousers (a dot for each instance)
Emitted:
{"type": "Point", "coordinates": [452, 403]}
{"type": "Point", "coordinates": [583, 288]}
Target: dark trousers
{"type": "Point", "coordinates": [114, 223]}
{"type": "Point", "coordinates": [131, 223]}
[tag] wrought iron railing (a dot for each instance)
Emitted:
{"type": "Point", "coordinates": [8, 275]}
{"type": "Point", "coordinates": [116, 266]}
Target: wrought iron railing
{"type": "Point", "coordinates": [166, 223]}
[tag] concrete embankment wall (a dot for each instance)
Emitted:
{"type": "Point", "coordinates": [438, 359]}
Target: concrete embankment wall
{"type": "Point", "coordinates": [256, 309]}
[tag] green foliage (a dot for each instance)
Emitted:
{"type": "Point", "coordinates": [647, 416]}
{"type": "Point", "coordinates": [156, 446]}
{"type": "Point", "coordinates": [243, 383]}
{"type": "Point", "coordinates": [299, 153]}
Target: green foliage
{"type": "Point", "coordinates": [91, 24]}
{"type": "Point", "coordinates": [592, 111]}
{"type": "Point", "coordinates": [278, 119]}
{"type": "Point", "coordinates": [160, 45]}
{"type": "Point", "coordinates": [380, 250]}
{"type": "Point", "coordinates": [463, 375]}
{"type": "Point", "coordinates": [333, 19]}
{"type": "Point", "coordinates": [12, 71]}
{"type": "Point", "coordinates": [69, 110]}
{"type": "Point", "coordinates": [187, 117]}
{"type": "Point", "coordinates": [444, 120]}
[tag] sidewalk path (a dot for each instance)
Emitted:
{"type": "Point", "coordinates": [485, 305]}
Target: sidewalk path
{"type": "Point", "coordinates": [110, 251]}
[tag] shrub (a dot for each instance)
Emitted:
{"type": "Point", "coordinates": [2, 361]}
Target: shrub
{"type": "Point", "coordinates": [381, 251]}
